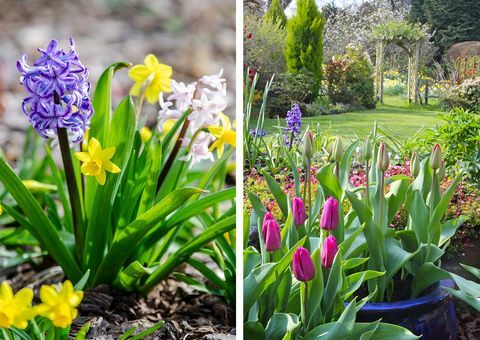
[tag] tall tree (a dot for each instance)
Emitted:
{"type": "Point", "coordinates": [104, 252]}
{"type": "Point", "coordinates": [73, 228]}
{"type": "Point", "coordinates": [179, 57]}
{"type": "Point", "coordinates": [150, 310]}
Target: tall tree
{"type": "Point", "coordinates": [304, 44]}
{"type": "Point", "coordinates": [276, 14]}
{"type": "Point", "coordinates": [451, 21]}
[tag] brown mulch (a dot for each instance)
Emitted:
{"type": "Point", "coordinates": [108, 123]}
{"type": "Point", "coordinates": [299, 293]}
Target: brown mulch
{"type": "Point", "coordinates": [187, 313]}
{"type": "Point", "coordinates": [469, 321]}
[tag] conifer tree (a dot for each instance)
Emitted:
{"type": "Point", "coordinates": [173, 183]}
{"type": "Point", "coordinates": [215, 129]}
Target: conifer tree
{"type": "Point", "coordinates": [276, 14]}
{"type": "Point", "coordinates": [304, 43]}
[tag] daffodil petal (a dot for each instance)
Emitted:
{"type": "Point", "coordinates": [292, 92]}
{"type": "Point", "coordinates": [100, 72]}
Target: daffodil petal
{"type": "Point", "coordinates": [24, 296]}
{"type": "Point", "coordinates": [220, 149]}
{"type": "Point", "coordinates": [151, 94]}
{"type": "Point", "coordinates": [76, 299]}
{"type": "Point", "coordinates": [151, 61]}
{"type": "Point", "coordinates": [135, 90]}
{"type": "Point", "coordinates": [139, 73]}
{"type": "Point", "coordinates": [216, 131]}
{"type": "Point", "coordinates": [48, 295]}
{"type": "Point", "coordinates": [164, 71]}
{"type": "Point", "coordinates": [93, 146]}
{"type": "Point", "coordinates": [6, 292]}
{"type": "Point", "coordinates": [230, 137]}
{"type": "Point", "coordinates": [110, 167]}
{"type": "Point", "coordinates": [83, 156]}
{"type": "Point", "coordinates": [101, 177]}
{"type": "Point", "coordinates": [165, 85]}
{"type": "Point", "coordinates": [107, 153]}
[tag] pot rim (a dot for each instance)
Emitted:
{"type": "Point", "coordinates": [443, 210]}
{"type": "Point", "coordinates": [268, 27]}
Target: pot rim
{"type": "Point", "coordinates": [435, 296]}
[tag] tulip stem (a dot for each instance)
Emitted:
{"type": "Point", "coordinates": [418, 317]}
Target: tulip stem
{"type": "Point", "coordinates": [337, 170]}
{"type": "Point", "coordinates": [305, 308]}
{"type": "Point", "coordinates": [309, 190]}
{"type": "Point", "coordinates": [73, 191]}
{"type": "Point", "coordinates": [367, 194]}
{"type": "Point", "coordinates": [382, 199]}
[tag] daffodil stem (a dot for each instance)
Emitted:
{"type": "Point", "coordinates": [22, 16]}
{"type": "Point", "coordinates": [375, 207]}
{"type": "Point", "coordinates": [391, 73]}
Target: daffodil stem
{"type": "Point", "coordinates": [72, 190]}
{"type": "Point", "coordinates": [168, 164]}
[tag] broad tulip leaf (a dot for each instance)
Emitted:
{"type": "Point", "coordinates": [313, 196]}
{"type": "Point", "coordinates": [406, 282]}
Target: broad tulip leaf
{"type": "Point", "coordinates": [282, 326]}
{"type": "Point", "coordinates": [278, 194]}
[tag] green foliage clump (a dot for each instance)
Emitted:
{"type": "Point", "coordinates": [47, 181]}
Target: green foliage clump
{"type": "Point", "coordinates": [289, 88]}
{"type": "Point", "coordinates": [398, 30]}
{"type": "Point", "coordinates": [460, 137]}
{"type": "Point", "coordinates": [263, 48]}
{"type": "Point", "coordinates": [350, 79]}
{"type": "Point", "coordinates": [276, 14]}
{"type": "Point", "coordinates": [452, 21]}
{"type": "Point", "coordinates": [465, 95]}
{"type": "Point", "coordinates": [304, 45]}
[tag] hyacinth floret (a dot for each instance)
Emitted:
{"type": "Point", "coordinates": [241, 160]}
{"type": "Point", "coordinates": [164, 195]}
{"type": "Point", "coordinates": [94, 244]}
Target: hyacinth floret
{"type": "Point", "coordinates": [58, 92]}
{"type": "Point", "coordinates": [294, 124]}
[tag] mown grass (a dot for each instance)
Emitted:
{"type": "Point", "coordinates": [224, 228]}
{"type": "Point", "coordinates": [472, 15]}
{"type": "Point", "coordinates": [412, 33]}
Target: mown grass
{"type": "Point", "coordinates": [395, 115]}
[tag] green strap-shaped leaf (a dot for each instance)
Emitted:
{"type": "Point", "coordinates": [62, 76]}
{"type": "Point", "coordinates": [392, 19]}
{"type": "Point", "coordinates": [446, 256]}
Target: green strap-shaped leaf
{"type": "Point", "coordinates": [99, 229]}
{"type": "Point", "coordinates": [182, 254]}
{"type": "Point", "coordinates": [126, 240]}
{"type": "Point", "coordinates": [277, 193]}
{"type": "Point", "coordinates": [102, 103]}
{"type": "Point", "coordinates": [43, 229]}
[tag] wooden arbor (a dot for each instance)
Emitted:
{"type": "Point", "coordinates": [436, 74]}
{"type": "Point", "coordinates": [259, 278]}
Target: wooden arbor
{"type": "Point", "coordinates": [410, 38]}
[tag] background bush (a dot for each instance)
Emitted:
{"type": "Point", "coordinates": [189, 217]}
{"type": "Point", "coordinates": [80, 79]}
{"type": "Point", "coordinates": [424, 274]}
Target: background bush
{"type": "Point", "coordinates": [289, 88]}
{"type": "Point", "coordinates": [350, 79]}
{"type": "Point", "coordinates": [465, 95]}
{"type": "Point", "coordinates": [264, 45]}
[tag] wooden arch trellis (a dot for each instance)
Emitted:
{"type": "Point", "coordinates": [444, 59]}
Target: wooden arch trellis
{"type": "Point", "coordinates": [410, 38]}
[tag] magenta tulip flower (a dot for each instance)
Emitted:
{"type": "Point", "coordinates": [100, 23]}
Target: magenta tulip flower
{"type": "Point", "coordinates": [329, 250]}
{"type": "Point", "coordinates": [299, 214]}
{"type": "Point", "coordinates": [302, 264]}
{"type": "Point", "coordinates": [271, 235]}
{"type": "Point", "coordinates": [329, 220]}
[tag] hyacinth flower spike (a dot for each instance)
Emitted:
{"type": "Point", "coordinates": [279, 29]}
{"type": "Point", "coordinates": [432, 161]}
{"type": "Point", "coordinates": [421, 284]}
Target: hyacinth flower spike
{"type": "Point", "coordinates": [58, 103]}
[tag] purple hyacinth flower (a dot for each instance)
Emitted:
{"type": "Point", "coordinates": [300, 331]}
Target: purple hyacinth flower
{"type": "Point", "coordinates": [294, 123]}
{"type": "Point", "coordinates": [58, 93]}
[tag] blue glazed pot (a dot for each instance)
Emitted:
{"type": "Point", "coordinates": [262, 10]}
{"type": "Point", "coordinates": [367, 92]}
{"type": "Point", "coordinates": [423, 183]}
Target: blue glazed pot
{"type": "Point", "coordinates": [432, 315]}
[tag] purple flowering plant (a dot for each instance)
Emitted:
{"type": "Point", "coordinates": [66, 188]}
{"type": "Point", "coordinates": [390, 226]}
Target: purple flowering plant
{"type": "Point", "coordinates": [293, 121]}
{"type": "Point", "coordinates": [115, 207]}
{"type": "Point", "coordinates": [58, 92]}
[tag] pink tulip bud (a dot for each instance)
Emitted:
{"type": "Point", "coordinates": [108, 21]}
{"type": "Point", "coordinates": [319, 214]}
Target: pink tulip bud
{"type": "Point", "coordinates": [303, 267]}
{"type": "Point", "coordinates": [268, 216]}
{"type": "Point", "coordinates": [436, 157]}
{"type": "Point", "coordinates": [329, 250]}
{"type": "Point", "coordinates": [383, 159]}
{"type": "Point", "coordinates": [271, 235]}
{"type": "Point", "coordinates": [299, 214]}
{"type": "Point", "coordinates": [329, 220]}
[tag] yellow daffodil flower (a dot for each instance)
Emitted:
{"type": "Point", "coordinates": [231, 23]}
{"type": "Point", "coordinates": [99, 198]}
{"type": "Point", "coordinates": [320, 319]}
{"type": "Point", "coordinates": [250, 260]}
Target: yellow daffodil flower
{"type": "Point", "coordinates": [224, 135]}
{"type": "Point", "coordinates": [58, 305]}
{"type": "Point", "coordinates": [96, 161]}
{"type": "Point", "coordinates": [145, 134]}
{"type": "Point", "coordinates": [1, 209]}
{"type": "Point", "coordinates": [152, 74]}
{"type": "Point", "coordinates": [15, 310]}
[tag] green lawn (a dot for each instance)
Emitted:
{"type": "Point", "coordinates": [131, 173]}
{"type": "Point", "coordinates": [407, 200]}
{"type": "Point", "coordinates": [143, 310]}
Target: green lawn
{"type": "Point", "coordinates": [395, 115]}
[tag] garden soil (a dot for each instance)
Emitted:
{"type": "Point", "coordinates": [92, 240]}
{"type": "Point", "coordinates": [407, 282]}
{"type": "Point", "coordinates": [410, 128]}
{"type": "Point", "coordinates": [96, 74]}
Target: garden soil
{"type": "Point", "coordinates": [188, 313]}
